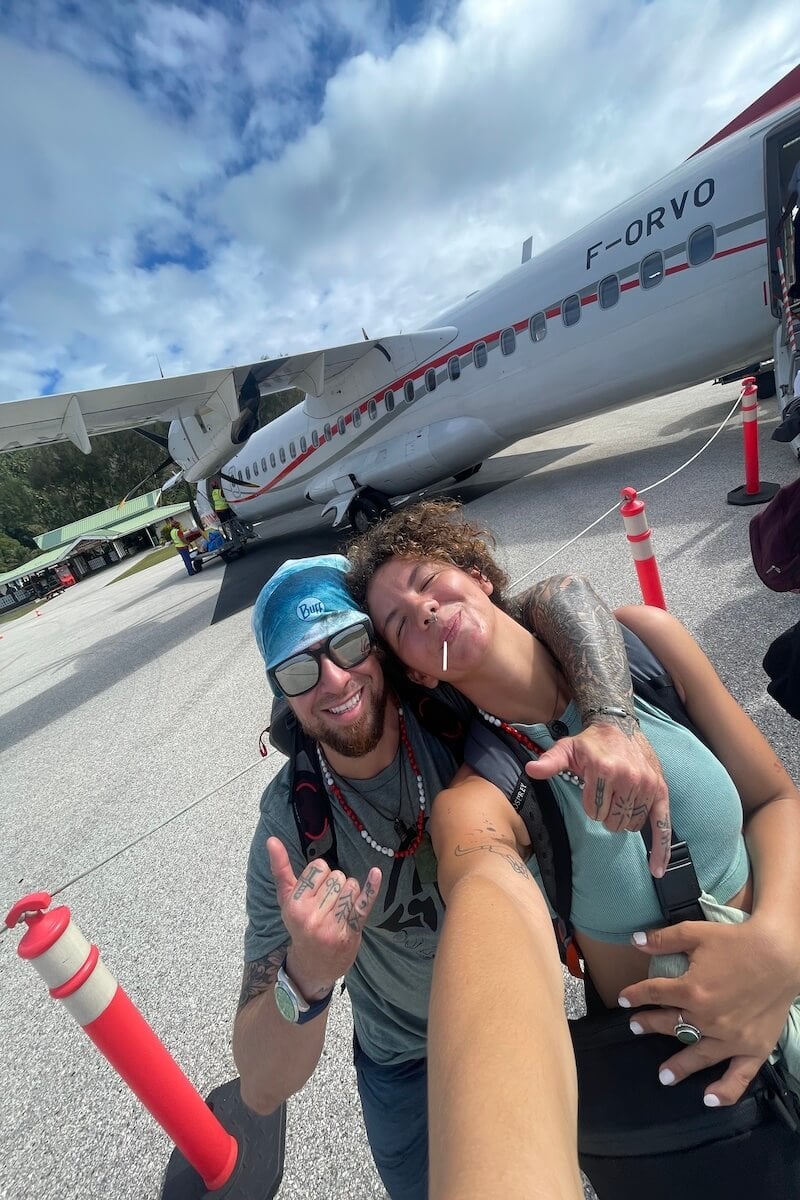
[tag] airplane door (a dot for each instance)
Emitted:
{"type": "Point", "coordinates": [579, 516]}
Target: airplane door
{"type": "Point", "coordinates": [782, 155]}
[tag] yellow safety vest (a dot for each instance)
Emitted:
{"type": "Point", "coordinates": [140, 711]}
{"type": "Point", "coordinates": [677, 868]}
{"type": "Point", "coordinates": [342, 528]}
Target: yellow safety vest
{"type": "Point", "coordinates": [177, 537]}
{"type": "Point", "coordinates": [218, 500]}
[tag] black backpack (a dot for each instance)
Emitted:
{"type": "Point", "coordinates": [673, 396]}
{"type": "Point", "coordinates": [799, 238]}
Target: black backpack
{"type": "Point", "coordinates": [775, 540]}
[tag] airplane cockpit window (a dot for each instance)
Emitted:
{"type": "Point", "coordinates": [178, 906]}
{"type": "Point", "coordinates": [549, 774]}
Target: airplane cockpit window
{"type": "Point", "coordinates": [264, 465]}
{"type": "Point", "coordinates": [701, 245]}
{"type": "Point", "coordinates": [282, 454]}
{"type": "Point", "coordinates": [538, 327]}
{"type": "Point", "coordinates": [303, 445]}
{"type": "Point", "coordinates": [247, 472]}
{"type": "Point", "coordinates": [508, 342]}
{"type": "Point", "coordinates": [608, 291]}
{"type": "Point", "coordinates": [480, 355]}
{"type": "Point", "coordinates": [341, 425]}
{"type": "Point", "coordinates": [651, 272]}
{"type": "Point", "coordinates": [372, 410]}
{"type": "Point", "coordinates": [292, 450]}
{"type": "Point", "coordinates": [408, 388]}
{"type": "Point", "coordinates": [326, 429]}
{"type": "Point", "coordinates": [454, 367]}
{"type": "Point", "coordinates": [571, 310]}
{"type": "Point", "coordinates": [430, 379]}
{"type": "Point", "coordinates": [388, 399]}
{"type": "Point", "coordinates": [314, 438]}
{"type": "Point", "coordinates": [356, 417]}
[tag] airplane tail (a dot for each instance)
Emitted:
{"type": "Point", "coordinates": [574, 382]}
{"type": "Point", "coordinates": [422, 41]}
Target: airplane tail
{"type": "Point", "coordinates": [783, 92]}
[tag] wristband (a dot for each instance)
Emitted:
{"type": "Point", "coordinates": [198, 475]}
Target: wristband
{"type": "Point", "coordinates": [610, 711]}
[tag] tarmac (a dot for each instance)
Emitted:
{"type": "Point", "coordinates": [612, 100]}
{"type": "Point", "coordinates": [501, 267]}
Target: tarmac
{"type": "Point", "coordinates": [124, 705]}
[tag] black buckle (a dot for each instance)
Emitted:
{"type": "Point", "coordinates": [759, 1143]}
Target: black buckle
{"type": "Point", "coordinates": [678, 890]}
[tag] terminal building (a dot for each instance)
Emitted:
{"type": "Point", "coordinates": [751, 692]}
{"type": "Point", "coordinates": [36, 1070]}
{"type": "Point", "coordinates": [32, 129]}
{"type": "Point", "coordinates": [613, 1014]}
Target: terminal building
{"type": "Point", "coordinates": [78, 549]}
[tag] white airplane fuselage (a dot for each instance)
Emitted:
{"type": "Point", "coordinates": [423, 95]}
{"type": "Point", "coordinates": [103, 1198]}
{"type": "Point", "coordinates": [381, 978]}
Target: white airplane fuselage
{"type": "Point", "coordinates": [693, 323]}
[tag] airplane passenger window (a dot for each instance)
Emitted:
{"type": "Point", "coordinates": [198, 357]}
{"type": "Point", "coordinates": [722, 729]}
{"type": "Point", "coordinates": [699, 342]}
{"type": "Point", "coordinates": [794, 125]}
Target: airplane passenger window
{"type": "Point", "coordinates": [701, 245]}
{"type": "Point", "coordinates": [264, 465]}
{"type": "Point", "coordinates": [327, 431]}
{"type": "Point", "coordinates": [303, 445]}
{"type": "Point", "coordinates": [480, 355]}
{"type": "Point", "coordinates": [408, 388]}
{"type": "Point", "coordinates": [292, 450]}
{"type": "Point", "coordinates": [571, 310]}
{"type": "Point", "coordinates": [454, 367]}
{"type": "Point", "coordinates": [314, 438]}
{"type": "Point", "coordinates": [651, 271]}
{"type": "Point", "coordinates": [538, 327]}
{"type": "Point", "coordinates": [272, 458]}
{"type": "Point", "coordinates": [342, 425]}
{"type": "Point", "coordinates": [282, 454]}
{"type": "Point", "coordinates": [255, 469]}
{"type": "Point", "coordinates": [356, 417]}
{"type": "Point", "coordinates": [247, 472]}
{"type": "Point", "coordinates": [430, 379]}
{"type": "Point", "coordinates": [372, 410]}
{"type": "Point", "coordinates": [508, 342]}
{"type": "Point", "coordinates": [388, 399]}
{"type": "Point", "coordinates": [608, 291]}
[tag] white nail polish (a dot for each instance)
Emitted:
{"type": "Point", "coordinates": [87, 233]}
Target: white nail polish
{"type": "Point", "coordinates": [639, 939]}
{"type": "Point", "coordinates": [636, 1027]}
{"type": "Point", "coordinates": [622, 1002]}
{"type": "Point", "coordinates": [666, 1076]}
{"type": "Point", "coordinates": [711, 1101]}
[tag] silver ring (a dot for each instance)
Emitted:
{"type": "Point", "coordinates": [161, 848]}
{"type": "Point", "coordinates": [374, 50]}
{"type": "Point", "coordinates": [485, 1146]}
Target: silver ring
{"type": "Point", "coordinates": [690, 1035]}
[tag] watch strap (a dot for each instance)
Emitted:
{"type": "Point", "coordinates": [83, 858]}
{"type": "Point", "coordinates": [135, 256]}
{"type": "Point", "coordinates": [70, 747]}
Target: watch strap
{"type": "Point", "coordinates": [306, 1011]}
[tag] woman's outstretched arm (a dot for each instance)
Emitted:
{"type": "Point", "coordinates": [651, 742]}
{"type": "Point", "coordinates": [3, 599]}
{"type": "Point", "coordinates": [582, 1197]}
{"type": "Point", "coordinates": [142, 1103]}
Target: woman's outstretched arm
{"type": "Point", "coordinates": [502, 1092]}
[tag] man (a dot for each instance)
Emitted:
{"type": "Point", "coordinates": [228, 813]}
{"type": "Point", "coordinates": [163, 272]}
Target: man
{"type": "Point", "coordinates": [222, 510]}
{"type": "Point", "coordinates": [377, 919]}
{"type": "Point", "coordinates": [182, 541]}
{"type": "Point", "coordinates": [791, 204]}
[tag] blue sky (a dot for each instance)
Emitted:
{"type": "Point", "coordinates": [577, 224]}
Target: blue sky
{"type": "Point", "coordinates": [209, 183]}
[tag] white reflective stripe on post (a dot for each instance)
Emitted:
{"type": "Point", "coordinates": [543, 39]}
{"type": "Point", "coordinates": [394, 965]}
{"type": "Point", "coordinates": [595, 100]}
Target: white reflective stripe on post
{"type": "Point", "coordinates": [641, 550]}
{"type": "Point", "coordinates": [93, 997]}
{"type": "Point", "coordinates": [66, 956]}
{"type": "Point", "coordinates": [749, 412]}
{"type": "Point", "coordinates": [636, 524]}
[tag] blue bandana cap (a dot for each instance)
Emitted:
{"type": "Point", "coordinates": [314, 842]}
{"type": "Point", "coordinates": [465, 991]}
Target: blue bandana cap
{"type": "Point", "coordinates": [304, 602]}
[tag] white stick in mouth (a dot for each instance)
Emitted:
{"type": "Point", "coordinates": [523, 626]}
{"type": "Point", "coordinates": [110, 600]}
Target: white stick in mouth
{"type": "Point", "coordinates": [444, 656]}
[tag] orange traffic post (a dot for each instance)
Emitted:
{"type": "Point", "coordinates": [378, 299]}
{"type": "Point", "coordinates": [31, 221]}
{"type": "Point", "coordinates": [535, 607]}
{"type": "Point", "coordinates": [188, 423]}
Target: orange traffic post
{"type": "Point", "coordinates": [638, 532]}
{"type": "Point", "coordinates": [74, 973]}
{"type": "Point", "coordinates": [753, 491]}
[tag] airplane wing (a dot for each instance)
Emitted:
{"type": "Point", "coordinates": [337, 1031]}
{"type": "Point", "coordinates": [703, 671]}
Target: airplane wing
{"type": "Point", "coordinates": [332, 378]}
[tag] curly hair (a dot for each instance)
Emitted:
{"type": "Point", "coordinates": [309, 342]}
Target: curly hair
{"type": "Point", "coordinates": [430, 530]}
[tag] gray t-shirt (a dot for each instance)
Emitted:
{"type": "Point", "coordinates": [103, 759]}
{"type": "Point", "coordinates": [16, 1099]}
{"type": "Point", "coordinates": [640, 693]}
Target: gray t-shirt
{"type": "Point", "coordinates": [389, 983]}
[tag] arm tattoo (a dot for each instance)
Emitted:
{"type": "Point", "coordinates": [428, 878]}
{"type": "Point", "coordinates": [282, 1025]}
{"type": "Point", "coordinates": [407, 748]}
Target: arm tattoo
{"type": "Point", "coordinates": [582, 634]}
{"type": "Point", "coordinates": [259, 976]}
{"type": "Point", "coordinates": [513, 860]}
{"type": "Point", "coordinates": [306, 881]}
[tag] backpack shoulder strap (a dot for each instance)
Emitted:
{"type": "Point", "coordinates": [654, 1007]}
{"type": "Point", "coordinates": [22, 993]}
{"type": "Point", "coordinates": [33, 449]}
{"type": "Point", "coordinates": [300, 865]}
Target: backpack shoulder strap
{"type": "Point", "coordinates": [307, 792]}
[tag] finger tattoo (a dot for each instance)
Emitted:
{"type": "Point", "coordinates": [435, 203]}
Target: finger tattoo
{"type": "Point", "coordinates": [345, 912]}
{"type": "Point", "coordinates": [622, 810]}
{"type": "Point", "coordinates": [306, 881]}
{"type": "Point", "coordinates": [599, 796]}
{"type": "Point", "coordinates": [638, 818]}
{"type": "Point", "coordinates": [332, 888]}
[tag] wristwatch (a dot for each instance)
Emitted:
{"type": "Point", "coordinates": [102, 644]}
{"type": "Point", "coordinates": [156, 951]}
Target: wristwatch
{"type": "Point", "coordinates": [290, 1002]}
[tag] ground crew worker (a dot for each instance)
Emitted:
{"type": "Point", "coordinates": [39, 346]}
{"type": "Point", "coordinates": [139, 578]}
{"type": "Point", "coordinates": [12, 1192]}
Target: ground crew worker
{"type": "Point", "coordinates": [222, 509]}
{"type": "Point", "coordinates": [182, 542]}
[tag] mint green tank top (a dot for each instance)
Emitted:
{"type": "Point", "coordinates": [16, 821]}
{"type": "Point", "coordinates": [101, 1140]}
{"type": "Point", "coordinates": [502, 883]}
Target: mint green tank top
{"type": "Point", "coordinates": [612, 889]}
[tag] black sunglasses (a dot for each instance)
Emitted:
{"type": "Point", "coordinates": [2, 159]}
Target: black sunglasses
{"type": "Point", "coordinates": [299, 674]}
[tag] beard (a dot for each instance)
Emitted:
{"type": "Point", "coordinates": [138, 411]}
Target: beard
{"type": "Point", "coordinates": [358, 739]}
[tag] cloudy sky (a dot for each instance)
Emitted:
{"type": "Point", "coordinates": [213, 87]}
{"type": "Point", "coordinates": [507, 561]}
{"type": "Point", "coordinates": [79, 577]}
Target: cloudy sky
{"type": "Point", "coordinates": [212, 182]}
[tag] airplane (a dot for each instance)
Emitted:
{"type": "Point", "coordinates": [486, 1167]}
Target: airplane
{"type": "Point", "coordinates": [677, 285]}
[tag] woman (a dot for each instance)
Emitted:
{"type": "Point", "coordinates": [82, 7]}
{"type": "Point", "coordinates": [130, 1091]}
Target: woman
{"type": "Point", "coordinates": [436, 598]}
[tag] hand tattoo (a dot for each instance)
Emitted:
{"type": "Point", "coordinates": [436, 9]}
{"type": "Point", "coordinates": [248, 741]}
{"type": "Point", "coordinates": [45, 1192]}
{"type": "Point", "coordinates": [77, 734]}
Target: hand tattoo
{"type": "Point", "coordinates": [306, 881]}
{"type": "Point", "coordinates": [622, 810]}
{"type": "Point", "coordinates": [332, 887]}
{"type": "Point", "coordinates": [638, 818]}
{"type": "Point", "coordinates": [345, 912]}
{"type": "Point", "coordinates": [599, 797]}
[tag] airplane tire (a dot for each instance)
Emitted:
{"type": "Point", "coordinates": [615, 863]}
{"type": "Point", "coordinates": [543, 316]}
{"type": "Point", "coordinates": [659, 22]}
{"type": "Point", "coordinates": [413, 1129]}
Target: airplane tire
{"type": "Point", "coordinates": [765, 385]}
{"type": "Point", "coordinates": [364, 513]}
{"type": "Point", "coordinates": [470, 471]}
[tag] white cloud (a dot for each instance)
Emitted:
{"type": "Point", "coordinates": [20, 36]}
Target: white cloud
{"type": "Point", "coordinates": [387, 172]}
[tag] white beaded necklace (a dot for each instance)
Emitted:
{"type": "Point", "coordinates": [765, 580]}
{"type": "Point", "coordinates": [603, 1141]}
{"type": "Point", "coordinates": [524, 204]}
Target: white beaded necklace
{"type": "Point", "coordinates": [529, 744]}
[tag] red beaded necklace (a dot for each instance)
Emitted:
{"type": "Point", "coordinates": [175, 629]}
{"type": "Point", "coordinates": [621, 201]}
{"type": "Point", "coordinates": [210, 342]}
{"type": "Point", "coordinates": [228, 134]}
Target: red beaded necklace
{"type": "Point", "coordinates": [528, 743]}
{"type": "Point", "coordinates": [336, 792]}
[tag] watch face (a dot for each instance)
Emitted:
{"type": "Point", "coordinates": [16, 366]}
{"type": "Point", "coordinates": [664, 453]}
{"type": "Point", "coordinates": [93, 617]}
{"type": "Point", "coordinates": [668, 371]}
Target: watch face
{"type": "Point", "coordinates": [287, 1005]}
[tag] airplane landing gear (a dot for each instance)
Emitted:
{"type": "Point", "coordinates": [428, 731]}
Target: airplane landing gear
{"type": "Point", "coordinates": [368, 508]}
{"type": "Point", "coordinates": [470, 471]}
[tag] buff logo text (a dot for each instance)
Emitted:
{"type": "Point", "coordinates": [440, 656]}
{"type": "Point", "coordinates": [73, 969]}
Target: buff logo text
{"type": "Point", "coordinates": [644, 226]}
{"type": "Point", "coordinates": [310, 608]}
